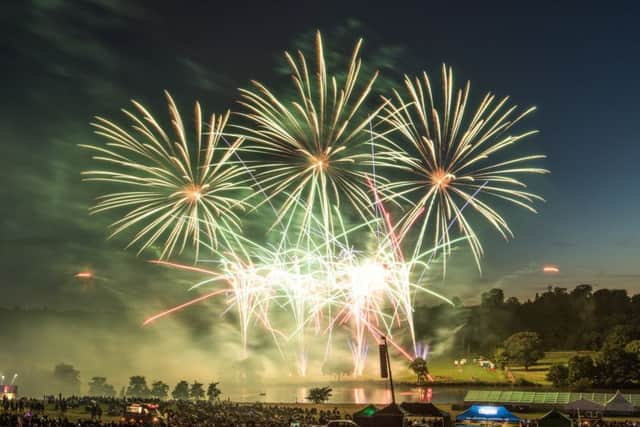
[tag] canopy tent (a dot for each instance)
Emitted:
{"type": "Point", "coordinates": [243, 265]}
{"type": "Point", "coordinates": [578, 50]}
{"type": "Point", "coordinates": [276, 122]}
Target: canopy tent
{"type": "Point", "coordinates": [618, 405]}
{"type": "Point", "coordinates": [487, 413]}
{"type": "Point", "coordinates": [365, 416]}
{"type": "Point", "coordinates": [389, 416]}
{"type": "Point", "coordinates": [584, 405]}
{"type": "Point", "coordinates": [555, 419]}
{"type": "Point", "coordinates": [426, 410]}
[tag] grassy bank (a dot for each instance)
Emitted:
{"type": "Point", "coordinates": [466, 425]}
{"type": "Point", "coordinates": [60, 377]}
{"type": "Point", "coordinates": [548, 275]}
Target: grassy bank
{"type": "Point", "coordinates": [446, 373]}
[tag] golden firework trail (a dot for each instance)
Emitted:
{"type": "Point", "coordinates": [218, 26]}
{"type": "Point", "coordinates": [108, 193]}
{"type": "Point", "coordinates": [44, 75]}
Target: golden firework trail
{"type": "Point", "coordinates": [312, 148]}
{"type": "Point", "coordinates": [309, 157]}
{"type": "Point", "coordinates": [448, 156]}
{"type": "Point", "coordinates": [176, 189]}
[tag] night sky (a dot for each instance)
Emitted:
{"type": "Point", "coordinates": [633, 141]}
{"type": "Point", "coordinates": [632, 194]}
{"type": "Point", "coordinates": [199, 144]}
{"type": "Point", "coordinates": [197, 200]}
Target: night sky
{"type": "Point", "coordinates": [63, 62]}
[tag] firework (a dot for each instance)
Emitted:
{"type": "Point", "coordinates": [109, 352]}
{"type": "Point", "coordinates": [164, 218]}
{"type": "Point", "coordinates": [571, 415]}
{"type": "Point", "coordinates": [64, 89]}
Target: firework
{"type": "Point", "coordinates": [369, 293]}
{"type": "Point", "coordinates": [310, 154]}
{"type": "Point", "coordinates": [450, 156]}
{"type": "Point", "coordinates": [312, 148]}
{"type": "Point", "coordinates": [176, 189]}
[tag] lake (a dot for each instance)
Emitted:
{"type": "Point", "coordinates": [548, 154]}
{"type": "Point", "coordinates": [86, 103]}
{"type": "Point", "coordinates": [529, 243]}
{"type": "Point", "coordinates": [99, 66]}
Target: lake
{"type": "Point", "coordinates": [347, 393]}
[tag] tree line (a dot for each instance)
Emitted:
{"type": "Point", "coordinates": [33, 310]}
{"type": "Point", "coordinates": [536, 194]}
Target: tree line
{"type": "Point", "coordinates": [604, 324]}
{"type": "Point", "coordinates": [67, 381]}
{"type": "Point", "coordinates": [580, 319]}
{"type": "Point", "coordinates": [617, 364]}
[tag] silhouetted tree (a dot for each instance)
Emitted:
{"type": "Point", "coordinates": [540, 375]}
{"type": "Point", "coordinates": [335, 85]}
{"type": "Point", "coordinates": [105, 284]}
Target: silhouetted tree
{"type": "Point", "coordinates": [319, 394]}
{"type": "Point", "coordinates": [213, 392]}
{"type": "Point", "coordinates": [138, 387]}
{"type": "Point", "coordinates": [181, 391]}
{"type": "Point", "coordinates": [98, 387]}
{"type": "Point", "coordinates": [159, 390]}
{"type": "Point", "coordinates": [67, 379]}
{"type": "Point", "coordinates": [492, 298]}
{"type": "Point", "coordinates": [197, 391]}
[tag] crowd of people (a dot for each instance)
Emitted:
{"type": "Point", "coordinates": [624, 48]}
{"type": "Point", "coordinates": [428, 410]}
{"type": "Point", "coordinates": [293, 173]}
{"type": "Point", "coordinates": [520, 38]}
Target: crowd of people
{"type": "Point", "coordinates": [609, 423]}
{"type": "Point", "coordinates": [110, 412]}
{"type": "Point", "coordinates": [32, 413]}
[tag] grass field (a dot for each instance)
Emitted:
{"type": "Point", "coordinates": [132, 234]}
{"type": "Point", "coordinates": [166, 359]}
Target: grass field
{"type": "Point", "coordinates": [443, 370]}
{"type": "Point", "coordinates": [538, 373]}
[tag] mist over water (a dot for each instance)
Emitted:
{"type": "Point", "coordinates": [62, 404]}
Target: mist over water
{"type": "Point", "coordinates": [197, 344]}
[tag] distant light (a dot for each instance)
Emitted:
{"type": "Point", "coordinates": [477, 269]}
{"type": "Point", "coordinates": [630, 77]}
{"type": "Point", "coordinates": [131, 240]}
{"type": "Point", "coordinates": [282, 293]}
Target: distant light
{"type": "Point", "coordinates": [488, 410]}
{"type": "Point", "coordinates": [84, 275]}
{"type": "Point", "coordinates": [550, 269]}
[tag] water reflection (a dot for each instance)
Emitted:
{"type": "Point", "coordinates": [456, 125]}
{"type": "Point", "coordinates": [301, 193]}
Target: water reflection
{"type": "Point", "coordinates": [374, 393]}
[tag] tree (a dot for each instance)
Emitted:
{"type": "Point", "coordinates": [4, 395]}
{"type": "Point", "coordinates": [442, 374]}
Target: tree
{"type": "Point", "coordinates": [67, 379]}
{"type": "Point", "coordinates": [582, 291]}
{"type": "Point", "coordinates": [197, 391]}
{"type": "Point", "coordinates": [493, 298]}
{"type": "Point", "coordinates": [98, 387]}
{"type": "Point", "coordinates": [524, 348]}
{"type": "Point", "coordinates": [138, 387]}
{"type": "Point", "coordinates": [500, 358]}
{"type": "Point", "coordinates": [420, 368]}
{"type": "Point", "coordinates": [159, 390]}
{"type": "Point", "coordinates": [618, 338]}
{"type": "Point", "coordinates": [617, 368]}
{"type": "Point", "coordinates": [319, 394]}
{"type": "Point", "coordinates": [213, 392]}
{"type": "Point", "coordinates": [581, 368]}
{"type": "Point", "coordinates": [181, 391]}
{"type": "Point", "coordinates": [633, 347]}
{"type": "Point", "coordinates": [558, 374]}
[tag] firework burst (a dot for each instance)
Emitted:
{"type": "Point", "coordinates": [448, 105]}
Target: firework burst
{"type": "Point", "coordinates": [312, 149]}
{"type": "Point", "coordinates": [310, 154]}
{"type": "Point", "coordinates": [454, 160]}
{"type": "Point", "coordinates": [177, 189]}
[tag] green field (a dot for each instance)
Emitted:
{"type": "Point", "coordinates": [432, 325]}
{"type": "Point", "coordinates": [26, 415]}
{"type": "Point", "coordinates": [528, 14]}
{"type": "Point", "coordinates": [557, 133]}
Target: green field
{"type": "Point", "coordinates": [538, 373]}
{"type": "Point", "coordinates": [444, 371]}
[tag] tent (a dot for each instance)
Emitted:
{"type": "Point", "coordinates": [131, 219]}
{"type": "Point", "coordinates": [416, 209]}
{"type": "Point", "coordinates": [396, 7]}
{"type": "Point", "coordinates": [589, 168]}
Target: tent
{"type": "Point", "coordinates": [583, 405]}
{"type": "Point", "coordinates": [364, 417]}
{"type": "Point", "coordinates": [389, 416]}
{"type": "Point", "coordinates": [487, 413]}
{"type": "Point", "coordinates": [426, 410]}
{"type": "Point", "coordinates": [618, 405]}
{"type": "Point", "coordinates": [555, 419]}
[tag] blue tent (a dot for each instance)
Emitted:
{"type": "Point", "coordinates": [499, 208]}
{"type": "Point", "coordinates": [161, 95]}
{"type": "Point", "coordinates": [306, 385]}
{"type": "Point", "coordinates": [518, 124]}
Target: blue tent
{"type": "Point", "coordinates": [487, 413]}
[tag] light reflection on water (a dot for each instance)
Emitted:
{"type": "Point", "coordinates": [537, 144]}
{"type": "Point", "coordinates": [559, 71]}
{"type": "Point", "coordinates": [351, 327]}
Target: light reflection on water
{"type": "Point", "coordinates": [374, 393]}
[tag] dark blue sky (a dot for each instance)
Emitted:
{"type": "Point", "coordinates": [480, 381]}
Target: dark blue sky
{"type": "Point", "coordinates": [62, 63]}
